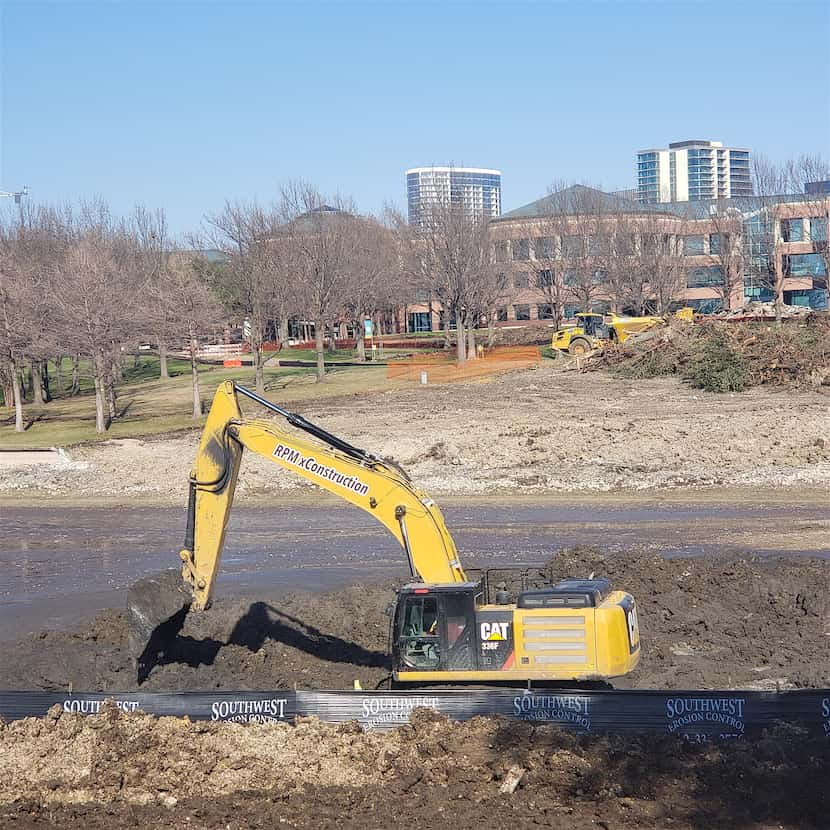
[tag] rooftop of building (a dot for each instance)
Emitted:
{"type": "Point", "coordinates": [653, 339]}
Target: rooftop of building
{"type": "Point", "coordinates": [693, 144]}
{"type": "Point", "coordinates": [436, 168]}
{"type": "Point", "coordinates": [580, 199]}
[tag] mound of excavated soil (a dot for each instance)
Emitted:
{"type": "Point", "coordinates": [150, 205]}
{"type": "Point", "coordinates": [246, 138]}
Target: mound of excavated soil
{"type": "Point", "coordinates": [116, 770]}
{"type": "Point", "coordinates": [706, 623]}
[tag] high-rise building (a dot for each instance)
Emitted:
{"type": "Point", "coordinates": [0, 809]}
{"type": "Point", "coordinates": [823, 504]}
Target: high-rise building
{"type": "Point", "coordinates": [693, 171]}
{"type": "Point", "coordinates": [475, 189]}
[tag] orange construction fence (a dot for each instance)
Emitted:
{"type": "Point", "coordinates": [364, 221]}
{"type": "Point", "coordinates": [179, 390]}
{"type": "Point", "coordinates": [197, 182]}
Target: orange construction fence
{"type": "Point", "coordinates": [441, 368]}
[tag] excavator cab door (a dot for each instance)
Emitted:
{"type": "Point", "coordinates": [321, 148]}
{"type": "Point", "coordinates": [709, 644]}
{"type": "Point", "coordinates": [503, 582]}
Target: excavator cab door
{"type": "Point", "coordinates": [434, 630]}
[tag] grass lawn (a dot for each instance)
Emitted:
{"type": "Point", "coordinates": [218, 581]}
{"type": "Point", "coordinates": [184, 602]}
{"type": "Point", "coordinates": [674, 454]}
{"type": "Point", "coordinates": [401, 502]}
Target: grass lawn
{"type": "Point", "coordinates": [149, 406]}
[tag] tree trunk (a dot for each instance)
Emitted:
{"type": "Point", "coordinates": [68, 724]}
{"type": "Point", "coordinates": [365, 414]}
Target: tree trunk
{"type": "Point", "coordinates": [76, 375]}
{"type": "Point", "coordinates": [259, 370]}
{"type": "Point", "coordinates": [29, 389]}
{"type": "Point", "coordinates": [112, 405]}
{"type": "Point", "coordinates": [99, 379]}
{"type": "Point", "coordinates": [460, 340]}
{"type": "Point", "coordinates": [447, 342]}
{"type": "Point", "coordinates": [36, 382]}
{"type": "Point", "coordinates": [283, 333]}
{"type": "Point", "coordinates": [44, 379]}
{"type": "Point", "coordinates": [8, 390]}
{"type": "Point", "coordinates": [360, 343]}
{"type": "Point", "coordinates": [471, 342]}
{"type": "Point", "coordinates": [17, 395]}
{"type": "Point", "coordinates": [136, 360]}
{"type": "Point", "coordinates": [194, 374]}
{"type": "Point", "coordinates": [318, 348]}
{"type": "Point", "coordinates": [59, 374]}
{"type": "Point", "coordinates": [164, 371]}
{"type": "Point", "coordinates": [779, 302]}
{"type": "Point", "coordinates": [491, 329]}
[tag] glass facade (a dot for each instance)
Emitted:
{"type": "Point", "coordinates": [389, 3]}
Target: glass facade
{"type": "Point", "coordinates": [707, 277]}
{"type": "Point", "coordinates": [818, 229]}
{"type": "Point", "coordinates": [804, 265]}
{"type": "Point", "coordinates": [648, 177]}
{"type": "Point", "coordinates": [693, 171]}
{"type": "Point", "coordinates": [693, 245]}
{"type": "Point", "coordinates": [476, 191]}
{"type": "Point", "coordinates": [792, 230]}
{"type": "Point", "coordinates": [522, 311]}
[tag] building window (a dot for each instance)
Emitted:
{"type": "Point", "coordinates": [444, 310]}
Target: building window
{"type": "Point", "coordinates": [520, 279]}
{"type": "Point", "coordinates": [600, 307]}
{"type": "Point", "coordinates": [501, 314]}
{"type": "Point", "coordinates": [572, 246]}
{"type": "Point", "coordinates": [714, 244]}
{"type": "Point", "coordinates": [544, 278]}
{"type": "Point", "coordinates": [599, 276]}
{"type": "Point", "coordinates": [545, 311]}
{"type": "Point", "coordinates": [712, 306]}
{"type": "Point", "coordinates": [815, 298]}
{"type": "Point", "coordinates": [792, 230]}
{"type": "Point", "coordinates": [522, 311]}
{"type": "Point", "coordinates": [420, 321]}
{"type": "Point", "coordinates": [804, 265]}
{"type": "Point", "coordinates": [521, 249]}
{"type": "Point", "coordinates": [501, 252]}
{"type": "Point", "coordinates": [545, 247]}
{"type": "Point", "coordinates": [818, 229]}
{"type": "Point", "coordinates": [569, 278]}
{"type": "Point", "coordinates": [704, 277]}
{"type": "Point", "coordinates": [693, 245]}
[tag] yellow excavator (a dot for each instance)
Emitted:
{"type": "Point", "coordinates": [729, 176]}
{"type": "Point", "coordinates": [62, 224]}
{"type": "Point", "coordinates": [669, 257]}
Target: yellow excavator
{"type": "Point", "coordinates": [445, 629]}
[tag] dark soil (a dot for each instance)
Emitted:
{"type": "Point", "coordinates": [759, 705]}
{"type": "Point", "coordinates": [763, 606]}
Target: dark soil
{"type": "Point", "coordinates": [116, 770]}
{"type": "Point", "coordinates": [706, 623]}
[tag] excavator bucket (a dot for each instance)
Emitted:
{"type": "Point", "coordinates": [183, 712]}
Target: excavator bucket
{"type": "Point", "coordinates": [156, 609]}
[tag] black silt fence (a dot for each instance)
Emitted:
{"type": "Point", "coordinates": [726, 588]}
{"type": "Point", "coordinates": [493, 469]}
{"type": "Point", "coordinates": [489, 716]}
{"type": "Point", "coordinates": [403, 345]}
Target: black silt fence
{"type": "Point", "coordinates": [694, 715]}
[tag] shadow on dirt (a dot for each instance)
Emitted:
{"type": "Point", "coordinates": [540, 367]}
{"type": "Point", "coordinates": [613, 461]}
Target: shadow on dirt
{"type": "Point", "coordinates": [260, 623]}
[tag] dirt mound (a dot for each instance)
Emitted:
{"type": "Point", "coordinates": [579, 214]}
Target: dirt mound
{"type": "Point", "coordinates": [751, 354]}
{"type": "Point", "coordinates": [132, 770]}
{"type": "Point", "coordinates": [713, 623]}
{"type": "Point", "coordinates": [706, 623]}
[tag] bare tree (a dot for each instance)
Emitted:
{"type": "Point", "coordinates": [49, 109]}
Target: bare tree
{"type": "Point", "coordinates": [726, 247]}
{"type": "Point", "coordinates": [320, 237]}
{"type": "Point", "coordinates": [195, 309]}
{"type": "Point", "coordinates": [254, 278]}
{"type": "Point", "coordinates": [451, 254]}
{"type": "Point", "coordinates": [94, 297]}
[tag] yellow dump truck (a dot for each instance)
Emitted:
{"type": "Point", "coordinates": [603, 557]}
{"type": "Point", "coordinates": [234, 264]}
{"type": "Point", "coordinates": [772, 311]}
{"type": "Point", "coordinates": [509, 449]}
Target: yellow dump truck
{"type": "Point", "coordinates": [595, 331]}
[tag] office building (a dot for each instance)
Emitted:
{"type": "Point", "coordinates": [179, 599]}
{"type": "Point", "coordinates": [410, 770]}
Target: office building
{"type": "Point", "coordinates": [693, 171]}
{"type": "Point", "coordinates": [476, 190]}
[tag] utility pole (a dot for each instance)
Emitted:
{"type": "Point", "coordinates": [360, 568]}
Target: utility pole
{"type": "Point", "coordinates": [16, 195]}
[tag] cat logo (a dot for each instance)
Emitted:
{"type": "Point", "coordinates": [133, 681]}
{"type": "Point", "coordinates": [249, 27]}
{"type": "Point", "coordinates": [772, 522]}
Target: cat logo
{"type": "Point", "coordinates": [494, 630]}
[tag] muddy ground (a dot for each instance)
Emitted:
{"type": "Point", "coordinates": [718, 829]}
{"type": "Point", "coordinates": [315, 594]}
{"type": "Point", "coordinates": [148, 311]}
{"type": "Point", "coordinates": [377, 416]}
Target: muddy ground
{"type": "Point", "coordinates": [538, 431]}
{"type": "Point", "coordinates": [117, 770]}
{"type": "Point", "coordinates": [707, 623]}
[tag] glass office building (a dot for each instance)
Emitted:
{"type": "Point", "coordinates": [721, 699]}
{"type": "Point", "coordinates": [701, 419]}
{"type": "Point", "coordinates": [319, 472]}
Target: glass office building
{"type": "Point", "coordinates": [475, 189]}
{"type": "Point", "coordinates": [693, 171]}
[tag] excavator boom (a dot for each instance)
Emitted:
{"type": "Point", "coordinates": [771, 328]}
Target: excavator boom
{"type": "Point", "coordinates": [378, 486]}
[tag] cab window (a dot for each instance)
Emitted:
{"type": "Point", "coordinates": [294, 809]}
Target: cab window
{"type": "Point", "coordinates": [420, 644]}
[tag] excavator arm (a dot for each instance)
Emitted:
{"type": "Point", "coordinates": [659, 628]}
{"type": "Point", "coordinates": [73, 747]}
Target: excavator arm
{"type": "Point", "coordinates": [377, 486]}
{"type": "Point", "coordinates": [156, 606]}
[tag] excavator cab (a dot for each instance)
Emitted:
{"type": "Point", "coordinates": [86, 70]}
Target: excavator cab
{"type": "Point", "coordinates": [434, 627]}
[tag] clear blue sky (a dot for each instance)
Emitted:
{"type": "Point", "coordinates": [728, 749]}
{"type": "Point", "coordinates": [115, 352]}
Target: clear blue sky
{"type": "Point", "coordinates": [180, 105]}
